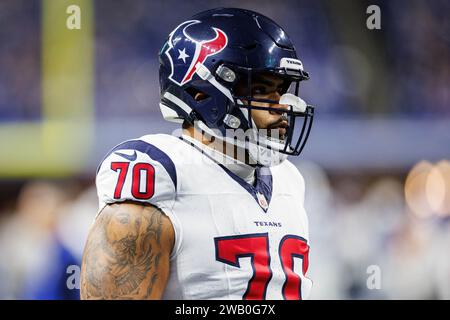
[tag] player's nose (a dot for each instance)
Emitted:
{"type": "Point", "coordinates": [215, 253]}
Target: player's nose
{"type": "Point", "coordinates": [282, 107]}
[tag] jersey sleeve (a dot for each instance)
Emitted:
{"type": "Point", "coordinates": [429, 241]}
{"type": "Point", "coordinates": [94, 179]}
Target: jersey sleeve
{"type": "Point", "coordinates": [138, 171]}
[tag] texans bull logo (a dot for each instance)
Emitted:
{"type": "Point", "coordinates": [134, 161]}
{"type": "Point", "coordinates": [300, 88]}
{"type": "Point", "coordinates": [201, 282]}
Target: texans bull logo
{"type": "Point", "coordinates": [184, 52]}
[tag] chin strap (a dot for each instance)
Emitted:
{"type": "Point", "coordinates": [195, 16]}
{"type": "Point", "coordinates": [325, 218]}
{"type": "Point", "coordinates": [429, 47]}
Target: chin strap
{"type": "Point", "coordinates": [261, 155]}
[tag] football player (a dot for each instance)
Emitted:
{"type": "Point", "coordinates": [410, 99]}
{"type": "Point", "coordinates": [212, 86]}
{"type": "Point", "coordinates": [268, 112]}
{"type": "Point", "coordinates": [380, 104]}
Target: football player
{"type": "Point", "coordinates": [216, 212]}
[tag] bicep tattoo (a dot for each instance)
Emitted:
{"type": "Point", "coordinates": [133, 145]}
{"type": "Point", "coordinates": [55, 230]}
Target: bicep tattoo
{"type": "Point", "coordinates": [126, 255]}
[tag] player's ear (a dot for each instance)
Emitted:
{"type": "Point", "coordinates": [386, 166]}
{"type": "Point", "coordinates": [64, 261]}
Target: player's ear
{"type": "Point", "coordinates": [200, 96]}
{"type": "Point", "coordinates": [196, 94]}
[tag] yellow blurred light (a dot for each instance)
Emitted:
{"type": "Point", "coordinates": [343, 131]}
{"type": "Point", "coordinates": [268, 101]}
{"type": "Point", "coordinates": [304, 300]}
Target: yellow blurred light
{"type": "Point", "coordinates": [435, 190]}
{"type": "Point", "coordinates": [427, 189]}
{"type": "Point", "coordinates": [415, 189]}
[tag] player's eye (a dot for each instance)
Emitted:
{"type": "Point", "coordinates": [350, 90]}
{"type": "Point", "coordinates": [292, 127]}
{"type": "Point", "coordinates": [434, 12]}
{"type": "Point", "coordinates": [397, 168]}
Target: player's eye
{"type": "Point", "coordinates": [281, 90]}
{"type": "Point", "coordinates": [259, 90]}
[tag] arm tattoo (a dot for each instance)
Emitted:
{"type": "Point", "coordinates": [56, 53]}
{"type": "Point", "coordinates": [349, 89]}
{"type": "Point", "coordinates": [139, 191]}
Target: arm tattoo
{"type": "Point", "coordinates": [122, 258]}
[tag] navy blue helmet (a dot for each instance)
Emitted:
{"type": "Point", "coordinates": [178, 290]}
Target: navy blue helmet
{"type": "Point", "coordinates": [214, 53]}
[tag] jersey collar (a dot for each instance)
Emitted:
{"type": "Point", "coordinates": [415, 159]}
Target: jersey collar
{"type": "Point", "coordinates": [261, 190]}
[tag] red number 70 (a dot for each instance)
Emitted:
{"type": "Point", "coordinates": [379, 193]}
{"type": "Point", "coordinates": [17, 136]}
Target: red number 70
{"type": "Point", "coordinates": [256, 246]}
{"type": "Point", "coordinates": [149, 184]}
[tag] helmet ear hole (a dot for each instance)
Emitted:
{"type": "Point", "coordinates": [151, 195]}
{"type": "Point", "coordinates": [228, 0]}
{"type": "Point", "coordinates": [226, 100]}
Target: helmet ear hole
{"type": "Point", "coordinates": [196, 94]}
{"type": "Point", "coordinates": [199, 96]}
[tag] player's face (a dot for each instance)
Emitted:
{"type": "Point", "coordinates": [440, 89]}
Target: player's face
{"type": "Point", "coordinates": [271, 88]}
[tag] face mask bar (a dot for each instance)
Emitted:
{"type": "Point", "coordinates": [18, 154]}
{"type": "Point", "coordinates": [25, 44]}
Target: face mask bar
{"type": "Point", "coordinates": [295, 138]}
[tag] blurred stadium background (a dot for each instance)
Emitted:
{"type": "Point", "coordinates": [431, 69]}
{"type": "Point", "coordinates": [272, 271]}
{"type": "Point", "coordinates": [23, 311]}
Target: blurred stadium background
{"type": "Point", "coordinates": [376, 166]}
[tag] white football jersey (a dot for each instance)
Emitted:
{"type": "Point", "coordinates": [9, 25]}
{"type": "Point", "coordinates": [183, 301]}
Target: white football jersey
{"type": "Point", "coordinates": [233, 240]}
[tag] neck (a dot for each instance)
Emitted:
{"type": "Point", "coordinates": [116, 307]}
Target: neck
{"type": "Point", "coordinates": [238, 154]}
{"type": "Point", "coordinates": [220, 152]}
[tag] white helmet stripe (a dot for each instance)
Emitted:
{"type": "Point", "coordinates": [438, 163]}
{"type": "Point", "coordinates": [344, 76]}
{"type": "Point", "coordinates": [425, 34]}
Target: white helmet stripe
{"type": "Point", "coordinates": [183, 105]}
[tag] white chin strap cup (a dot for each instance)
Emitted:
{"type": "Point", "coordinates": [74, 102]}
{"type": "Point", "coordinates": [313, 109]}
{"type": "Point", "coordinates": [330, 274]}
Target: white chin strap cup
{"type": "Point", "coordinates": [297, 103]}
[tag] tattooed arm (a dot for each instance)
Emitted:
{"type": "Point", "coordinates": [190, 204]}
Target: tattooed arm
{"type": "Point", "coordinates": [127, 253]}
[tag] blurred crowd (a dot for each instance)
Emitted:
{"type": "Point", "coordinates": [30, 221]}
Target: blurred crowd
{"type": "Point", "coordinates": [358, 225]}
{"type": "Point", "coordinates": [355, 225]}
{"type": "Point", "coordinates": [41, 240]}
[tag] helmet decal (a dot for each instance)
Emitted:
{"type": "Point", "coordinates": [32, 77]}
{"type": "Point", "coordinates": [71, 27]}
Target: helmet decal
{"type": "Point", "coordinates": [184, 52]}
